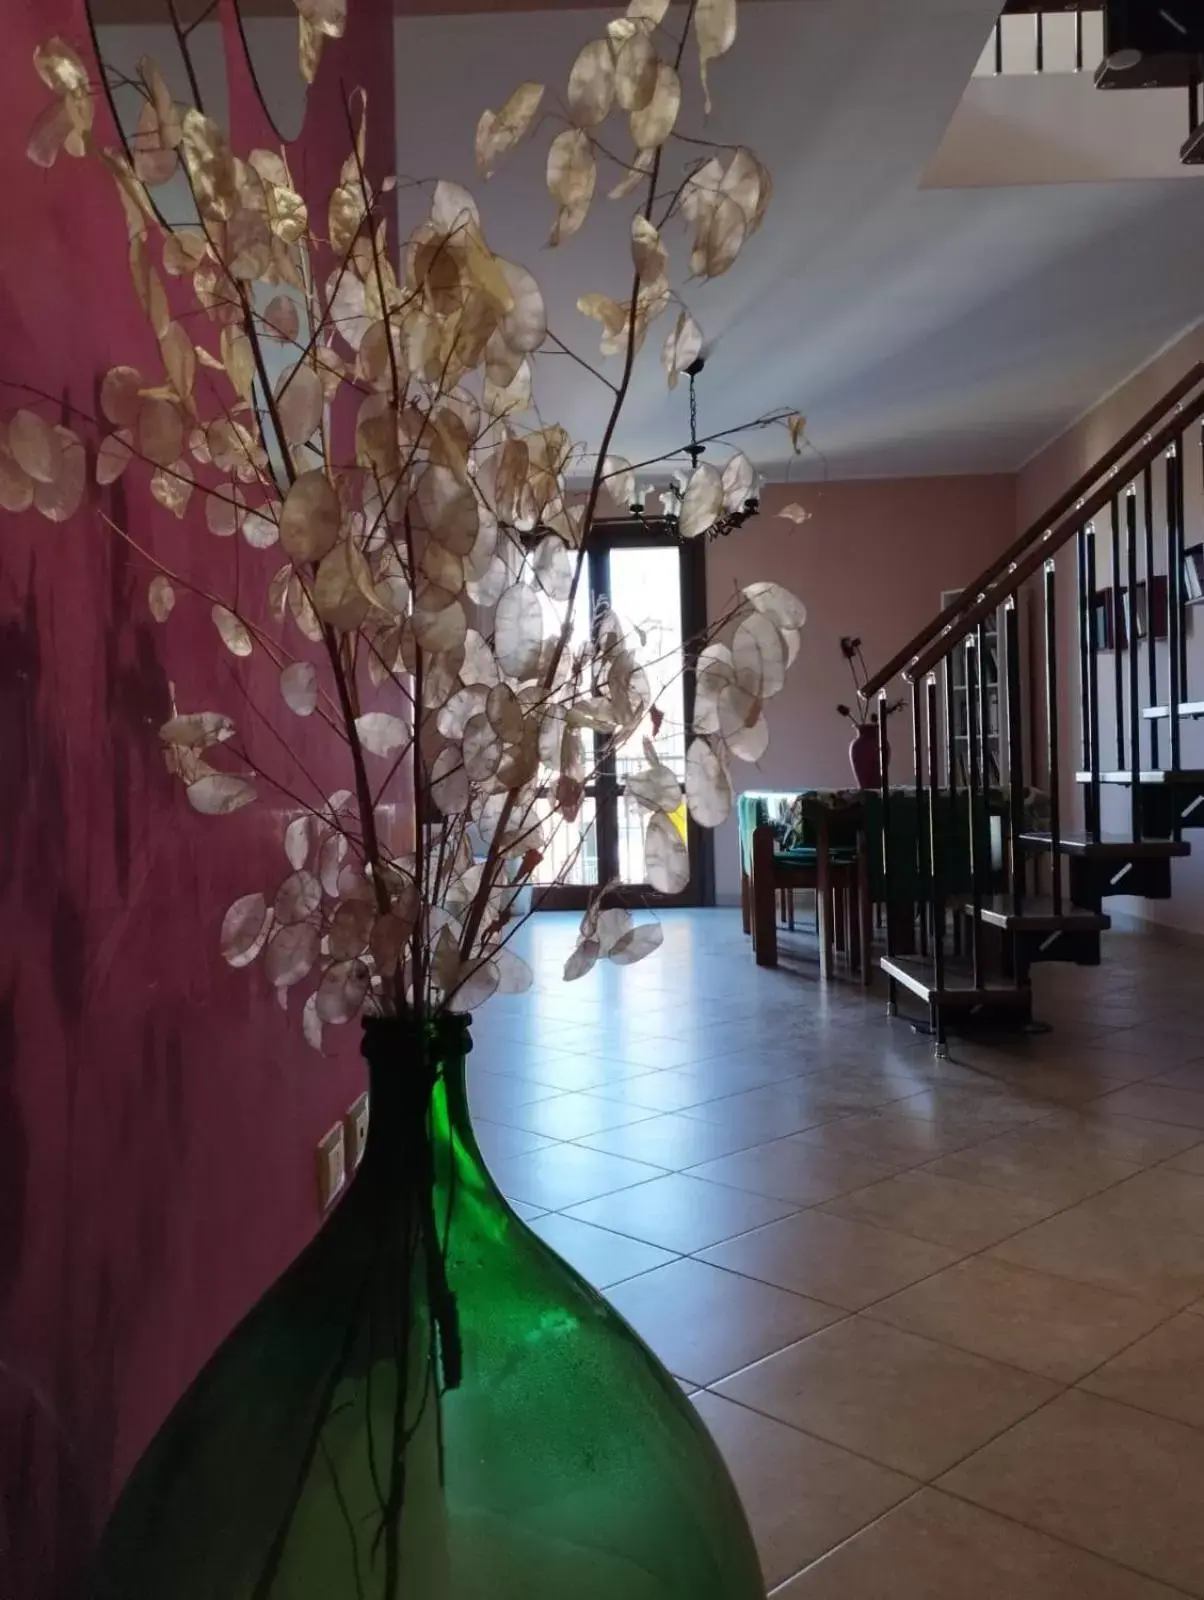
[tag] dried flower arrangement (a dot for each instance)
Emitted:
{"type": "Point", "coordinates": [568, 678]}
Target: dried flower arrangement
{"type": "Point", "coordinates": [417, 588]}
{"type": "Point", "coordinates": [859, 713]}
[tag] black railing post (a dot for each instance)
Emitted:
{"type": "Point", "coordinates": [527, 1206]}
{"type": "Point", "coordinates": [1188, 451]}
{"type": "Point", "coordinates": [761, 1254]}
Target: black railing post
{"type": "Point", "coordinates": [1118, 635]}
{"type": "Point", "coordinates": [1086, 623]}
{"type": "Point", "coordinates": [892, 988]}
{"type": "Point", "coordinates": [1093, 750]}
{"type": "Point", "coordinates": [951, 770]}
{"type": "Point", "coordinates": [1151, 610]}
{"type": "Point", "coordinates": [1078, 40]}
{"type": "Point", "coordinates": [1015, 736]}
{"type": "Point", "coordinates": [1174, 602]}
{"type": "Point", "coordinates": [917, 738]}
{"type": "Point", "coordinates": [936, 887]}
{"type": "Point", "coordinates": [1040, 41]}
{"type": "Point", "coordinates": [999, 47]}
{"type": "Point", "coordinates": [1052, 759]}
{"type": "Point", "coordinates": [984, 733]}
{"type": "Point", "coordinates": [973, 672]}
{"type": "Point", "coordinates": [1133, 647]}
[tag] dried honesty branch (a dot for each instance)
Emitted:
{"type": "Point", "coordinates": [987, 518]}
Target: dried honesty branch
{"type": "Point", "coordinates": [572, 174]}
{"type": "Point", "coordinates": [499, 131]}
{"type": "Point", "coordinates": [371, 407]}
{"type": "Point", "coordinates": [715, 27]}
{"type": "Point", "coordinates": [682, 348]}
{"type": "Point", "coordinates": [702, 504]}
{"type": "Point", "coordinates": [160, 597]}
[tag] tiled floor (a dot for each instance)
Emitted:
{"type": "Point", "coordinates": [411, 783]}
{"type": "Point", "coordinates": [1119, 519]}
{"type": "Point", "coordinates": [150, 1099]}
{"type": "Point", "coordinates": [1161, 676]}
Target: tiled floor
{"type": "Point", "coordinates": [945, 1319]}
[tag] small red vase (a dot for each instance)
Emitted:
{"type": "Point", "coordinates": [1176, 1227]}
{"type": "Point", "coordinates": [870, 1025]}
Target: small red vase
{"type": "Point", "coordinates": [864, 757]}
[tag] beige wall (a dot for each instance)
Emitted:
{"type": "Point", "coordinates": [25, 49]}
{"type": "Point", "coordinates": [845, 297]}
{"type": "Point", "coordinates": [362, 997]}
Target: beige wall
{"type": "Point", "coordinates": [1037, 486]}
{"type": "Point", "coordinates": [872, 561]}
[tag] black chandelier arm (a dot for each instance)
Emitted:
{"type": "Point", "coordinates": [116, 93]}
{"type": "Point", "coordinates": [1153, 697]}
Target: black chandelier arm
{"type": "Point", "coordinates": [668, 523]}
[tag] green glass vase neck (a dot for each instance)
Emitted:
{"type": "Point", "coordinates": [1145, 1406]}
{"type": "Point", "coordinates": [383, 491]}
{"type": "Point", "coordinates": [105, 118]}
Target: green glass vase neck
{"type": "Point", "coordinates": [417, 1088]}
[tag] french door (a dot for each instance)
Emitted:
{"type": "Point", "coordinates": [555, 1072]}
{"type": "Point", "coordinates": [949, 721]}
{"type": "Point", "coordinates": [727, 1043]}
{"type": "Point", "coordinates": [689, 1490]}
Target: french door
{"type": "Point", "coordinates": [657, 585]}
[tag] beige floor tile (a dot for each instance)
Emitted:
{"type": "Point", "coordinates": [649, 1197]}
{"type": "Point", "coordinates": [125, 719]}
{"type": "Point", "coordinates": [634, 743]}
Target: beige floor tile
{"type": "Point", "coordinates": [601, 1257]}
{"type": "Point", "coordinates": [842, 1263]}
{"type": "Point", "coordinates": [964, 1216]}
{"type": "Point", "coordinates": [1190, 1160]}
{"type": "Point", "coordinates": [803, 1496]}
{"type": "Point", "coordinates": [934, 1547]}
{"type": "Point", "coordinates": [791, 1170]}
{"type": "Point", "coordinates": [1110, 1479]}
{"type": "Point", "coordinates": [1047, 1169]}
{"type": "Point", "coordinates": [1183, 1107]}
{"type": "Point", "coordinates": [672, 1141]}
{"type": "Point", "coordinates": [1033, 1320]}
{"type": "Point", "coordinates": [669, 1090]}
{"type": "Point", "coordinates": [1164, 1372]}
{"type": "Point", "coordinates": [894, 1131]}
{"type": "Point", "coordinates": [499, 1142]}
{"type": "Point", "coordinates": [1169, 1045]}
{"type": "Point", "coordinates": [1101, 1128]}
{"type": "Point", "coordinates": [565, 1174]}
{"type": "Point", "coordinates": [902, 1400]}
{"type": "Point", "coordinates": [776, 1111]}
{"type": "Point", "coordinates": [578, 1073]}
{"type": "Point", "coordinates": [573, 1116]}
{"type": "Point", "coordinates": [1092, 1247]}
{"type": "Point", "coordinates": [681, 1214]}
{"type": "Point", "coordinates": [494, 1095]}
{"type": "Point", "coordinates": [1189, 1076]}
{"type": "Point", "coordinates": [1059, 1084]}
{"type": "Point", "coordinates": [994, 1105]}
{"type": "Point", "coordinates": [1158, 1198]}
{"type": "Point", "coordinates": [705, 1323]}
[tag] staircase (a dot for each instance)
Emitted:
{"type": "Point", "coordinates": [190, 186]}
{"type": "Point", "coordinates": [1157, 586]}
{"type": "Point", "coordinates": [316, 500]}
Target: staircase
{"type": "Point", "coordinates": [1146, 46]}
{"type": "Point", "coordinates": [1090, 686]}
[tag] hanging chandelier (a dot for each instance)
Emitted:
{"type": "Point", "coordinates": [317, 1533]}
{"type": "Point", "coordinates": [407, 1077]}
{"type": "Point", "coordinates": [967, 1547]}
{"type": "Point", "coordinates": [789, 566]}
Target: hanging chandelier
{"type": "Point", "coordinates": [667, 519]}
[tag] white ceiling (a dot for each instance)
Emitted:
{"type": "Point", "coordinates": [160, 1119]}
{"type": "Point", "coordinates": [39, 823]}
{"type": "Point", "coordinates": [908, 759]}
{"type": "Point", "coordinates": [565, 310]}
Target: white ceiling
{"type": "Point", "coordinates": [922, 331]}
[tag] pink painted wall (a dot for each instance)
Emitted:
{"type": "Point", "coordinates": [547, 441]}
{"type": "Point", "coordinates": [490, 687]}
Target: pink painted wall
{"type": "Point", "coordinates": [158, 1114]}
{"type": "Point", "coordinates": [1037, 486]}
{"type": "Point", "coordinates": [872, 561]}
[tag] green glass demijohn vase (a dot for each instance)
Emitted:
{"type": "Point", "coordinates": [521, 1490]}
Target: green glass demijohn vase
{"type": "Point", "coordinates": [429, 1405]}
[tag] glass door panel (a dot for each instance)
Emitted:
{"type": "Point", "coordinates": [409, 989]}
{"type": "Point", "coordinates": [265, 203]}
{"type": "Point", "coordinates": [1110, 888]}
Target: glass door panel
{"type": "Point", "coordinates": [645, 580]}
{"type": "Point", "coordinates": [645, 590]}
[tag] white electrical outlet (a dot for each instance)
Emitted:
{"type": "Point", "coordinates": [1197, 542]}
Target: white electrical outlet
{"type": "Point", "coordinates": [356, 1124]}
{"type": "Point", "coordinates": [332, 1166]}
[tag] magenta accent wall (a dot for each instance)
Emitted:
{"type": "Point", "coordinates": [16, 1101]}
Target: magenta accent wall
{"type": "Point", "coordinates": [872, 561]}
{"type": "Point", "coordinates": [158, 1113]}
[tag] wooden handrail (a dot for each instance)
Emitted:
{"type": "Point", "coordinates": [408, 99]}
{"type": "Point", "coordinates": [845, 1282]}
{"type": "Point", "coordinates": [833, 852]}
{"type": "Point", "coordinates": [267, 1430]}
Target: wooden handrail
{"type": "Point", "coordinates": [913, 650]}
{"type": "Point", "coordinates": [1052, 539]}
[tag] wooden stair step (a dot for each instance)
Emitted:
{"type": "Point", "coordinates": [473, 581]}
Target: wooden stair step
{"type": "Point", "coordinates": [1187, 708]}
{"type": "Point", "coordinates": [1188, 777]}
{"type": "Point", "coordinates": [1037, 915]}
{"type": "Point", "coordinates": [958, 991]}
{"type": "Point", "coordinates": [1109, 847]}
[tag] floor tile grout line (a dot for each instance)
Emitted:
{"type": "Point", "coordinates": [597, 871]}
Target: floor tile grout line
{"type": "Point", "coordinates": [867, 1309]}
{"type": "Point", "coordinates": [1003, 1516]}
{"type": "Point", "coordinates": [936, 1484]}
{"type": "Point", "coordinates": [1070, 1544]}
